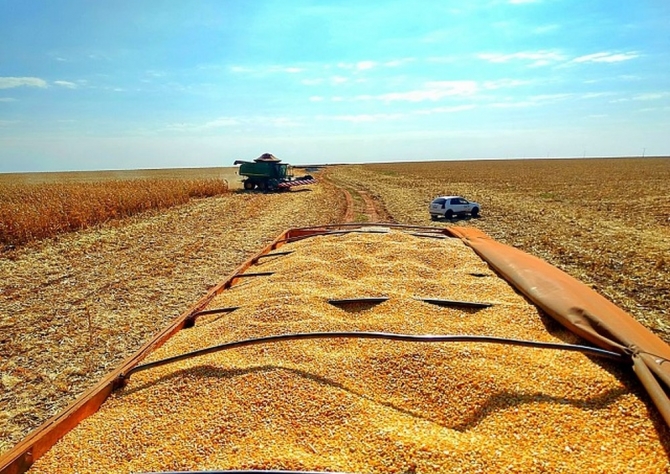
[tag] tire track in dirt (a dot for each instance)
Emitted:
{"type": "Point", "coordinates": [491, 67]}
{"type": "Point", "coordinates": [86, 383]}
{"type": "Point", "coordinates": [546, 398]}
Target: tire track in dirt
{"type": "Point", "coordinates": [360, 205]}
{"type": "Point", "coordinates": [349, 213]}
{"type": "Point", "coordinates": [370, 206]}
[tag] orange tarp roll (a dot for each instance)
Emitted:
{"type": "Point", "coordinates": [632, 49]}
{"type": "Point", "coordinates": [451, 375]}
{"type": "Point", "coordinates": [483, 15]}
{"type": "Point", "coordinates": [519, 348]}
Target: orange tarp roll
{"type": "Point", "coordinates": [571, 302]}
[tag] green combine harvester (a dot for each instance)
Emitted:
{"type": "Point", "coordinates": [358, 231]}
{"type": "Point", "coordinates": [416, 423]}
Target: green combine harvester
{"type": "Point", "coordinates": [268, 173]}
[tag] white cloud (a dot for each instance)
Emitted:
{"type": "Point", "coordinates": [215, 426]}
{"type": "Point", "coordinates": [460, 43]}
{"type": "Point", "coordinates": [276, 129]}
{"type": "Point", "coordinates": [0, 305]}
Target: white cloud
{"type": "Point", "coordinates": [364, 65]}
{"type": "Point", "coordinates": [521, 2]}
{"type": "Point", "coordinates": [278, 121]}
{"type": "Point", "coordinates": [437, 90]}
{"type": "Point", "coordinates": [227, 122]}
{"type": "Point", "coordinates": [266, 69]}
{"type": "Point", "coordinates": [433, 91]}
{"type": "Point", "coordinates": [544, 29]}
{"type": "Point", "coordinates": [514, 104]}
{"type": "Point", "coordinates": [532, 101]}
{"type": "Point", "coordinates": [67, 84]}
{"type": "Point", "coordinates": [503, 83]}
{"type": "Point", "coordinates": [311, 82]}
{"type": "Point", "coordinates": [551, 97]}
{"type": "Point", "coordinates": [398, 62]}
{"type": "Point", "coordinates": [11, 82]}
{"type": "Point", "coordinates": [316, 98]}
{"type": "Point", "coordinates": [221, 122]}
{"type": "Point", "coordinates": [653, 109]}
{"type": "Point", "coordinates": [593, 95]}
{"type": "Point", "coordinates": [606, 57]}
{"type": "Point", "coordinates": [445, 110]}
{"type": "Point", "coordinates": [443, 59]}
{"type": "Point", "coordinates": [537, 58]}
{"type": "Point", "coordinates": [361, 118]}
{"type": "Point", "coordinates": [7, 99]}
{"type": "Point", "coordinates": [652, 96]}
{"type": "Point", "coordinates": [338, 79]}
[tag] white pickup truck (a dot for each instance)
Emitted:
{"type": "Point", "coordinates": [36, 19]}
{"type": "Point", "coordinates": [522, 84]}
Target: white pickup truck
{"type": "Point", "coordinates": [450, 206]}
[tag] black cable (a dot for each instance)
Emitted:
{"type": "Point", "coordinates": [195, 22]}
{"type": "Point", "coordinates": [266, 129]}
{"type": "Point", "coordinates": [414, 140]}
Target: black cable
{"type": "Point", "coordinates": [378, 335]}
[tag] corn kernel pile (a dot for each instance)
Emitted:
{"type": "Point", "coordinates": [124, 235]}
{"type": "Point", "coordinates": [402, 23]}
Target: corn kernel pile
{"type": "Point", "coordinates": [371, 406]}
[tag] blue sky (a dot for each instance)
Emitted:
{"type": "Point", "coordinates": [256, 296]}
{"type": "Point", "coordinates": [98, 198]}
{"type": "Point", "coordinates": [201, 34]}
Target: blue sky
{"type": "Point", "coordinates": [152, 84]}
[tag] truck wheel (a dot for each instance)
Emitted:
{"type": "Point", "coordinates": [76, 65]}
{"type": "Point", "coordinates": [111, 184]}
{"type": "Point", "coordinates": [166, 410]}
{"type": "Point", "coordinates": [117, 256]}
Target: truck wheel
{"type": "Point", "coordinates": [248, 185]}
{"type": "Point", "coordinates": [263, 186]}
{"type": "Point", "coordinates": [449, 214]}
{"type": "Point", "coordinates": [475, 212]}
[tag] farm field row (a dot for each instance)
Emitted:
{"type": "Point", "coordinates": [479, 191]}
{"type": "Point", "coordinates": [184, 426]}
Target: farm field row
{"type": "Point", "coordinates": [75, 306]}
{"type": "Point", "coordinates": [604, 221]}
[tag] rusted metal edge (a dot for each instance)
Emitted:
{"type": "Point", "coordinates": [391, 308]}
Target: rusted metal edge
{"type": "Point", "coordinates": [439, 230]}
{"type": "Point", "coordinates": [19, 459]}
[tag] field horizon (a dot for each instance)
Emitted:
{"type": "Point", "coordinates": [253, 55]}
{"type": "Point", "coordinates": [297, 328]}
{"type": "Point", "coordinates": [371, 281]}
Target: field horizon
{"type": "Point", "coordinates": [135, 173]}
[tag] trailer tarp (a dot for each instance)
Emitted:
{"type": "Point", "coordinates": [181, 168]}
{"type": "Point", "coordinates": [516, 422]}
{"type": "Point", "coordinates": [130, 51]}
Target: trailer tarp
{"type": "Point", "coordinates": [576, 306]}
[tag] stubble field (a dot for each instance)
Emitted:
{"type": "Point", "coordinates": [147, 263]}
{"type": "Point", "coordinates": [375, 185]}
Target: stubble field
{"type": "Point", "coordinates": [72, 307]}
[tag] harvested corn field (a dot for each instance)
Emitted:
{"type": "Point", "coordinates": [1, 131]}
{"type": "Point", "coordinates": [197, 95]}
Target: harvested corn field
{"type": "Point", "coordinates": [604, 221]}
{"type": "Point", "coordinates": [371, 406]}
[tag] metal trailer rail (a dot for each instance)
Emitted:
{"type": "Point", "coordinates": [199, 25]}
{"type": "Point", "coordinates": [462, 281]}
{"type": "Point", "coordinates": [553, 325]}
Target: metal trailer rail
{"type": "Point", "coordinates": [567, 300]}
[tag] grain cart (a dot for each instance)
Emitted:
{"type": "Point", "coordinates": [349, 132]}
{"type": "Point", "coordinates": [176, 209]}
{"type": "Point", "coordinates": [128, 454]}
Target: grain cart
{"type": "Point", "coordinates": [267, 173]}
{"type": "Point", "coordinates": [377, 348]}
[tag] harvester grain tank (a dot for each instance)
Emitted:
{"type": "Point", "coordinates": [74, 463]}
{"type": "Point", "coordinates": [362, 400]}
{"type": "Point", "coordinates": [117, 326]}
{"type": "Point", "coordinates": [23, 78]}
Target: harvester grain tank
{"type": "Point", "coordinates": [268, 173]}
